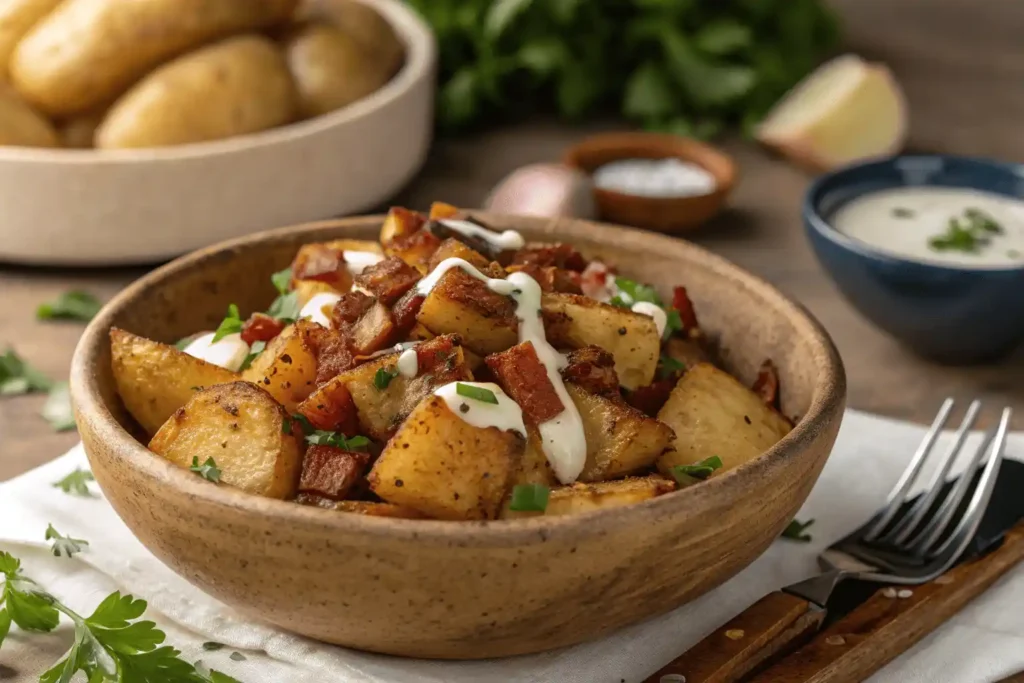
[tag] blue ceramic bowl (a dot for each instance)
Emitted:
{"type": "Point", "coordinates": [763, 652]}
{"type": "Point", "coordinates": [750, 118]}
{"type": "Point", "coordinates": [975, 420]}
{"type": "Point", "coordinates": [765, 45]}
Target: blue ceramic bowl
{"type": "Point", "coordinates": [951, 314]}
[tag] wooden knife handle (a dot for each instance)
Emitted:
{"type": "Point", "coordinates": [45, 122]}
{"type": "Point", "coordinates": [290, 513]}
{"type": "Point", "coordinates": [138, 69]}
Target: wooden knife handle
{"type": "Point", "coordinates": [891, 621]}
{"type": "Point", "coordinates": [775, 621]}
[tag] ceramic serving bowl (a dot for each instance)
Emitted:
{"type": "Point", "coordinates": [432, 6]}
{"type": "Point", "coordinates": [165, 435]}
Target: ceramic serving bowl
{"type": "Point", "coordinates": [665, 214]}
{"type": "Point", "coordinates": [103, 207]}
{"type": "Point", "coordinates": [446, 589]}
{"type": "Point", "coordinates": [951, 314]}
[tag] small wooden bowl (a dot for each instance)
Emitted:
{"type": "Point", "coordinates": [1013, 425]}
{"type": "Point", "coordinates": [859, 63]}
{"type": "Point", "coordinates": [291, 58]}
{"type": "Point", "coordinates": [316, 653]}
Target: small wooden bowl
{"type": "Point", "coordinates": [428, 588]}
{"type": "Point", "coordinates": [665, 214]}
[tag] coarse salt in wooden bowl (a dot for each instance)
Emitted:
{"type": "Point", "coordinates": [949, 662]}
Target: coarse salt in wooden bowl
{"type": "Point", "coordinates": [457, 590]}
{"type": "Point", "coordinates": [668, 214]}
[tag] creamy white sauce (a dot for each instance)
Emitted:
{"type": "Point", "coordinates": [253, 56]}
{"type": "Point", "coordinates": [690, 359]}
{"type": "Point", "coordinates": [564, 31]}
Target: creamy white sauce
{"type": "Point", "coordinates": [655, 178]}
{"type": "Point", "coordinates": [408, 364]}
{"type": "Point", "coordinates": [397, 348]}
{"type": "Point", "coordinates": [654, 311]}
{"type": "Point", "coordinates": [316, 309]}
{"type": "Point", "coordinates": [358, 261]}
{"type": "Point", "coordinates": [229, 352]}
{"type": "Point", "coordinates": [562, 437]}
{"type": "Point", "coordinates": [903, 221]}
{"type": "Point", "coordinates": [505, 415]}
{"type": "Point", "coordinates": [501, 241]}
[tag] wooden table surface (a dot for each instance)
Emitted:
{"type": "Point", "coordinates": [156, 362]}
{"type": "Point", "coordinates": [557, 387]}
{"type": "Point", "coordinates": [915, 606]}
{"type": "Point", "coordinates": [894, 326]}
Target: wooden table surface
{"type": "Point", "coordinates": [761, 231]}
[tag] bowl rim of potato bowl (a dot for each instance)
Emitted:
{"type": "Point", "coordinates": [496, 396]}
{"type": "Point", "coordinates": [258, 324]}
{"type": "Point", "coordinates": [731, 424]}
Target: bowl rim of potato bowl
{"type": "Point", "coordinates": [420, 47]}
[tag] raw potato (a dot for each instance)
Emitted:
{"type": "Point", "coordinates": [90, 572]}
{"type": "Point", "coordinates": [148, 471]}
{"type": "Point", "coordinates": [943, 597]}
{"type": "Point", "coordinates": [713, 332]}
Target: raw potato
{"type": "Point", "coordinates": [577, 498]}
{"type": "Point", "coordinates": [155, 379]}
{"type": "Point", "coordinates": [240, 85]}
{"type": "Point", "coordinates": [20, 126]}
{"type": "Point", "coordinates": [87, 52]}
{"type": "Point", "coordinates": [331, 70]}
{"type": "Point", "coordinates": [287, 367]}
{"type": "Point", "coordinates": [439, 464]}
{"type": "Point", "coordinates": [17, 17]}
{"type": "Point", "coordinates": [242, 428]}
{"type": "Point", "coordinates": [80, 132]}
{"type": "Point", "coordinates": [373, 32]}
{"type": "Point", "coordinates": [713, 414]}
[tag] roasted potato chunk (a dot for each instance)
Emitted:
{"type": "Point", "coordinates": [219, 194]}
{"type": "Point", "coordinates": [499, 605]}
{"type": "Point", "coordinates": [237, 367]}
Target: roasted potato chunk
{"type": "Point", "coordinates": [577, 498]}
{"type": "Point", "coordinates": [713, 414]}
{"type": "Point", "coordinates": [400, 223]}
{"type": "Point", "coordinates": [331, 409]}
{"type": "Point", "coordinates": [388, 280]}
{"type": "Point", "coordinates": [453, 248]}
{"type": "Point", "coordinates": [287, 367]}
{"type": "Point", "coordinates": [155, 379]}
{"type": "Point", "coordinates": [575, 321]}
{"type": "Point", "coordinates": [442, 466]}
{"type": "Point", "coordinates": [460, 304]}
{"type": "Point", "coordinates": [368, 246]}
{"type": "Point", "coordinates": [592, 368]}
{"type": "Point", "coordinates": [242, 428]}
{"type": "Point", "coordinates": [360, 507]}
{"type": "Point", "coordinates": [689, 352]}
{"type": "Point", "coordinates": [534, 467]}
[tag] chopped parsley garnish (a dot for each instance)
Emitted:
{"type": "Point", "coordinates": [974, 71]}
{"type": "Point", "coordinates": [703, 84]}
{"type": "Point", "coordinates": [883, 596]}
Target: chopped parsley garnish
{"type": "Point", "coordinates": [476, 393]}
{"type": "Point", "coordinates": [795, 531]}
{"type": "Point", "coordinates": [529, 498]}
{"type": "Point", "coordinates": [285, 308]}
{"type": "Point", "coordinates": [231, 324]}
{"type": "Point", "coordinates": [208, 470]}
{"type": "Point", "coordinates": [902, 212]}
{"type": "Point", "coordinates": [338, 440]}
{"type": "Point", "coordinates": [256, 349]}
{"type": "Point", "coordinates": [63, 545]}
{"type": "Point", "coordinates": [76, 483]}
{"type": "Point", "coordinates": [18, 377]}
{"type": "Point", "coordinates": [968, 233]}
{"type": "Point", "coordinates": [673, 323]}
{"type": "Point", "coordinates": [73, 305]}
{"type": "Point", "coordinates": [635, 292]}
{"type": "Point", "coordinates": [57, 409]}
{"type": "Point", "coordinates": [668, 366]}
{"type": "Point", "coordinates": [687, 475]}
{"type": "Point", "coordinates": [382, 378]}
{"type": "Point", "coordinates": [282, 280]}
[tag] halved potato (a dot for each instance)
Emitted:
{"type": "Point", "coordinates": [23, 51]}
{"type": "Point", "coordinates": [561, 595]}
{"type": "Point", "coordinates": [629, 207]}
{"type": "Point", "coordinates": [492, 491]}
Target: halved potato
{"type": "Point", "coordinates": [442, 466]}
{"type": "Point", "coordinates": [243, 429]}
{"type": "Point", "coordinates": [713, 414]}
{"type": "Point", "coordinates": [287, 367]}
{"type": "Point", "coordinates": [577, 498]}
{"type": "Point", "coordinates": [156, 379]}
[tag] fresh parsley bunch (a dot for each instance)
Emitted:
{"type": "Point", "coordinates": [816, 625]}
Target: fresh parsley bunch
{"type": "Point", "coordinates": [684, 66]}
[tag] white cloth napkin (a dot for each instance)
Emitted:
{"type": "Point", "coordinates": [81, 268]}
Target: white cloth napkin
{"type": "Point", "coordinates": [982, 643]}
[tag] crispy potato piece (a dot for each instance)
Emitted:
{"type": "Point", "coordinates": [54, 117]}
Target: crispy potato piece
{"type": "Point", "coordinates": [287, 367]}
{"type": "Point", "coordinates": [453, 248]}
{"type": "Point", "coordinates": [331, 409]}
{"type": "Point", "coordinates": [388, 280]}
{"type": "Point", "coordinates": [355, 245]}
{"type": "Point", "coordinates": [460, 304]}
{"type": "Point", "coordinates": [534, 467]}
{"type": "Point", "coordinates": [155, 379]}
{"type": "Point", "coordinates": [689, 352]}
{"type": "Point", "coordinates": [322, 263]}
{"type": "Point", "coordinates": [550, 278]}
{"type": "Point", "coordinates": [241, 427]}
{"type": "Point", "coordinates": [331, 472]}
{"type": "Point", "coordinates": [577, 498]}
{"type": "Point", "coordinates": [420, 333]}
{"type": "Point", "coordinates": [574, 321]}
{"type": "Point", "coordinates": [374, 330]}
{"type": "Point", "coordinates": [442, 210]}
{"type": "Point", "coordinates": [400, 223]}
{"type": "Point", "coordinates": [713, 414]}
{"type": "Point", "coordinates": [620, 440]}
{"type": "Point", "coordinates": [360, 507]}
{"type": "Point", "coordinates": [442, 466]}
{"type": "Point", "coordinates": [592, 368]}
{"type": "Point", "coordinates": [307, 289]}
{"type": "Point", "coordinates": [415, 249]}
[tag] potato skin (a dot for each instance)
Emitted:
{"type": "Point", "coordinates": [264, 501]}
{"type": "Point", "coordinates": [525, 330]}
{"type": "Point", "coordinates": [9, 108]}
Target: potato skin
{"type": "Point", "coordinates": [17, 17]}
{"type": "Point", "coordinates": [241, 427]}
{"type": "Point", "coordinates": [240, 85]}
{"type": "Point", "coordinates": [155, 379]}
{"type": "Point", "coordinates": [373, 32]}
{"type": "Point", "coordinates": [87, 52]}
{"type": "Point", "coordinates": [20, 125]}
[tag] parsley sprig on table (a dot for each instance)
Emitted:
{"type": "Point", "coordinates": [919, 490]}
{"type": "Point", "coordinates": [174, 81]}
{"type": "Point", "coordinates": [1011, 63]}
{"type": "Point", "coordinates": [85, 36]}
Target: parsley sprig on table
{"type": "Point", "coordinates": [76, 483]}
{"type": "Point", "coordinates": [18, 377]}
{"type": "Point", "coordinates": [796, 529]}
{"type": "Point", "coordinates": [73, 305]}
{"type": "Point", "coordinates": [111, 645]}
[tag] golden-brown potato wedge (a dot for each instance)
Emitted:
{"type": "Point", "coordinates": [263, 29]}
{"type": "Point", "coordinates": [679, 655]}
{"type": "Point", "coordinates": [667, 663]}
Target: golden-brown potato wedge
{"type": "Point", "coordinates": [460, 304]}
{"type": "Point", "coordinates": [439, 464]}
{"type": "Point", "coordinates": [237, 86]}
{"type": "Point", "coordinates": [574, 321]}
{"type": "Point", "coordinates": [242, 428]}
{"type": "Point", "coordinates": [577, 498]}
{"type": "Point", "coordinates": [713, 414]}
{"type": "Point", "coordinates": [20, 125]}
{"type": "Point", "coordinates": [87, 52]}
{"type": "Point", "coordinates": [287, 367]}
{"type": "Point", "coordinates": [620, 439]}
{"type": "Point", "coordinates": [17, 17]}
{"type": "Point", "coordinates": [155, 379]}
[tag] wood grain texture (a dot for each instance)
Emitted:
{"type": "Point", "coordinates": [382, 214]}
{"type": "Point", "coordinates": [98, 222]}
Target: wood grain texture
{"type": "Point", "coordinates": [776, 622]}
{"type": "Point", "coordinates": [891, 621]}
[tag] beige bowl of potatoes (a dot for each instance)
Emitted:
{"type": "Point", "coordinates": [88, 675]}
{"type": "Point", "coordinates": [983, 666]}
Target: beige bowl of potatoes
{"type": "Point", "coordinates": [134, 131]}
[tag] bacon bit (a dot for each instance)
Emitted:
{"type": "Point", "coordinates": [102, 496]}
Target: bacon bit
{"type": "Point", "coordinates": [558, 254]}
{"type": "Point", "coordinates": [766, 385]}
{"type": "Point", "coordinates": [321, 263]}
{"type": "Point", "coordinates": [651, 398]}
{"type": "Point", "coordinates": [681, 302]}
{"type": "Point", "coordinates": [260, 327]}
{"type": "Point", "coordinates": [463, 288]}
{"type": "Point", "coordinates": [405, 312]}
{"type": "Point", "coordinates": [550, 278]}
{"type": "Point", "coordinates": [331, 348]}
{"type": "Point", "coordinates": [593, 369]}
{"type": "Point", "coordinates": [331, 409]}
{"type": "Point", "coordinates": [440, 211]}
{"type": "Point", "coordinates": [374, 330]}
{"type": "Point", "coordinates": [389, 279]}
{"type": "Point", "coordinates": [523, 377]}
{"type": "Point", "coordinates": [439, 358]}
{"type": "Point", "coordinates": [331, 472]}
{"type": "Point", "coordinates": [349, 309]}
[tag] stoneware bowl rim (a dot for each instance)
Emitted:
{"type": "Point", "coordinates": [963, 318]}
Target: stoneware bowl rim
{"type": "Point", "coordinates": [850, 176]}
{"type": "Point", "coordinates": [420, 56]}
{"type": "Point", "coordinates": [827, 400]}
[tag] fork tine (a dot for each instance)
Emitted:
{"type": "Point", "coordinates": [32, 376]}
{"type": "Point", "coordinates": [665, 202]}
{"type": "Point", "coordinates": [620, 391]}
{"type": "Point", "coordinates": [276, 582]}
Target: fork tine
{"type": "Point", "coordinates": [906, 526]}
{"type": "Point", "coordinates": [964, 531]}
{"type": "Point", "coordinates": [899, 492]}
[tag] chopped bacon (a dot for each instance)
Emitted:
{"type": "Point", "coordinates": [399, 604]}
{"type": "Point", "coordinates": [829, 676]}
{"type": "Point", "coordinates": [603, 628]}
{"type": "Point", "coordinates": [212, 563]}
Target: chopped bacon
{"type": "Point", "coordinates": [322, 263]}
{"type": "Point", "coordinates": [556, 254]}
{"type": "Point", "coordinates": [333, 355]}
{"type": "Point", "coordinates": [550, 278]}
{"type": "Point", "coordinates": [651, 398]}
{"type": "Point", "coordinates": [332, 472]}
{"type": "Point", "coordinates": [767, 384]}
{"type": "Point", "coordinates": [681, 302]}
{"type": "Point", "coordinates": [260, 327]}
{"type": "Point", "coordinates": [388, 280]}
{"type": "Point", "coordinates": [461, 287]}
{"type": "Point", "coordinates": [405, 311]}
{"type": "Point", "coordinates": [593, 369]}
{"type": "Point", "coordinates": [523, 377]}
{"type": "Point", "coordinates": [439, 358]}
{"type": "Point", "coordinates": [349, 309]}
{"type": "Point", "coordinates": [331, 409]}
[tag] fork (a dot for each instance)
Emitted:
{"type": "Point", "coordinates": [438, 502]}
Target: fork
{"type": "Point", "coordinates": [906, 542]}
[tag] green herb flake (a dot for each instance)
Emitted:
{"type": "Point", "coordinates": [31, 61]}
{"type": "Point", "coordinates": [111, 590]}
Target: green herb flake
{"type": "Point", "coordinates": [529, 498]}
{"type": "Point", "coordinates": [64, 545]}
{"type": "Point", "coordinates": [285, 308]}
{"type": "Point", "coordinates": [208, 470]}
{"type": "Point", "coordinates": [476, 393]}
{"type": "Point", "coordinates": [282, 280]}
{"type": "Point", "coordinates": [669, 366]}
{"type": "Point", "coordinates": [211, 646]}
{"type": "Point", "coordinates": [73, 305]}
{"type": "Point", "coordinates": [673, 323]}
{"type": "Point", "coordinates": [320, 437]}
{"type": "Point", "coordinates": [57, 410]}
{"type": "Point", "coordinates": [687, 475]}
{"type": "Point", "coordinates": [18, 377]}
{"type": "Point", "coordinates": [76, 483]}
{"type": "Point", "coordinates": [382, 378]}
{"type": "Point", "coordinates": [795, 531]}
{"type": "Point", "coordinates": [256, 349]}
{"type": "Point", "coordinates": [902, 212]}
{"type": "Point", "coordinates": [636, 292]}
{"type": "Point", "coordinates": [237, 657]}
{"type": "Point", "coordinates": [231, 324]}
{"type": "Point", "coordinates": [967, 234]}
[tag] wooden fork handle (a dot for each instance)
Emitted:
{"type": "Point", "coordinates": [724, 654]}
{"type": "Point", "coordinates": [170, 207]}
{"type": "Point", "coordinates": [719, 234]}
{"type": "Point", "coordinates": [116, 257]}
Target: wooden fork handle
{"type": "Point", "coordinates": [777, 622]}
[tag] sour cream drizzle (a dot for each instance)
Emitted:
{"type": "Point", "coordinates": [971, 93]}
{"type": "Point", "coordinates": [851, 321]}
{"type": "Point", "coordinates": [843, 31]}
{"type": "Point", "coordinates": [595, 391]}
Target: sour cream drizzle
{"type": "Point", "coordinates": [314, 308]}
{"type": "Point", "coordinates": [506, 415]}
{"type": "Point", "coordinates": [358, 261]}
{"type": "Point", "coordinates": [653, 310]}
{"type": "Point", "coordinates": [229, 352]}
{"type": "Point", "coordinates": [408, 364]}
{"type": "Point", "coordinates": [562, 437]}
{"type": "Point", "coordinates": [502, 241]}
